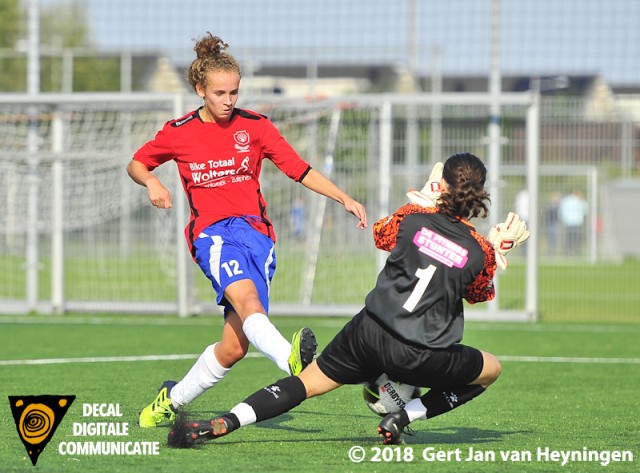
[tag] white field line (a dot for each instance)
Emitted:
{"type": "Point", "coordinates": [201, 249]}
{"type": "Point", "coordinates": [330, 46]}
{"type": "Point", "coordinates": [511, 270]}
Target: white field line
{"type": "Point", "coordinates": [125, 359]}
{"type": "Point", "coordinates": [95, 359]}
{"type": "Point", "coordinates": [570, 359]}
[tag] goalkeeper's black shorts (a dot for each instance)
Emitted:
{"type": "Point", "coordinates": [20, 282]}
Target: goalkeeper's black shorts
{"type": "Point", "coordinates": [363, 350]}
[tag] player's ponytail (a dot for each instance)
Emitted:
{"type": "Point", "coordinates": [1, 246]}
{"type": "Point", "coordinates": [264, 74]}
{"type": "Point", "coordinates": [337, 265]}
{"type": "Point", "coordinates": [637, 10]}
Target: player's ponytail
{"type": "Point", "coordinates": [465, 175]}
{"type": "Point", "coordinates": [209, 46]}
{"type": "Point", "coordinates": [210, 56]}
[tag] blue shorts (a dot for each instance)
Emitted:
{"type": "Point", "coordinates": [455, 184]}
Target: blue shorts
{"type": "Point", "coordinates": [231, 250]}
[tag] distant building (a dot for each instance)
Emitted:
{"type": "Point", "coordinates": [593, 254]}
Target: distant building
{"type": "Point", "coordinates": [324, 81]}
{"type": "Point", "coordinates": [628, 102]}
{"type": "Point", "coordinates": [156, 73]}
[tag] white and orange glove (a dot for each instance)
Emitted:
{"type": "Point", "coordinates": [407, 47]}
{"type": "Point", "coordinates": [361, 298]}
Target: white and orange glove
{"type": "Point", "coordinates": [506, 236]}
{"type": "Point", "coordinates": [431, 192]}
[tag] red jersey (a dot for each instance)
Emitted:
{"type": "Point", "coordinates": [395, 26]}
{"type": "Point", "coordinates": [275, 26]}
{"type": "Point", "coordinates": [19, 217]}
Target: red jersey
{"type": "Point", "coordinates": [220, 164]}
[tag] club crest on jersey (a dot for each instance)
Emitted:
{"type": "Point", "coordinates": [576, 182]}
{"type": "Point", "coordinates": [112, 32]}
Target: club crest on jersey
{"type": "Point", "coordinates": [243, 140]}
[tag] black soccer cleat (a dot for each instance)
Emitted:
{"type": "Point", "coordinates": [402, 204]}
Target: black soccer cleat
{"type": "Point", "coordinates": [391, 428]}
{"type": "Point", "coordinates": [186, 433]}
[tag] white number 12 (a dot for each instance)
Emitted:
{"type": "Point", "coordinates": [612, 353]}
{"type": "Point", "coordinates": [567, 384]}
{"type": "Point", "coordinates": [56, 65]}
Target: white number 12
{"type": "Point", "coordinates": [424, 277]}
{"type": "Point", "coordinates": [232, 268]}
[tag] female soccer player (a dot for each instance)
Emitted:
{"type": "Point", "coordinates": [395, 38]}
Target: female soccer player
{"type": "Point", "coordinates": [219, 150]}
{"type": "Point", "coordinates": [412, 322]}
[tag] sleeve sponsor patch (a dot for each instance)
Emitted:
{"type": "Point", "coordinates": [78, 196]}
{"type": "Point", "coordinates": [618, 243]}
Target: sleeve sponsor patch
{"type": "Point", "coordinates": [183, 120]}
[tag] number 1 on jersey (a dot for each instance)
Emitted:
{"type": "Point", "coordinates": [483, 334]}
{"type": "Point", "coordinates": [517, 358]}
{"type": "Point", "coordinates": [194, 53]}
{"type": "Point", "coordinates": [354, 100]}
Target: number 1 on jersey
{"type": "Point", "coordinates": [424, 277]}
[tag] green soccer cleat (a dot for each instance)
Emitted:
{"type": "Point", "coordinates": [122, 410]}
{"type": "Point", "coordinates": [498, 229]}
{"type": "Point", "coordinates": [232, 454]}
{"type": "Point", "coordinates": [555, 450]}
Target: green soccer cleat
{"type": "Point", "coordinates": [160, 409]}
{"type": "Point", "coordinates": [303, 349]}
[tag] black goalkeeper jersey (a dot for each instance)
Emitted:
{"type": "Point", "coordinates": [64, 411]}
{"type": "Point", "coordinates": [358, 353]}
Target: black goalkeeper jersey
{"type": "Point", "coordinates": [434, 264]}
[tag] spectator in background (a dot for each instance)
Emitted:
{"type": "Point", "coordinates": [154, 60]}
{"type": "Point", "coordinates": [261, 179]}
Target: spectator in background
{"type": "Point", "coordinates": [552, 223]}
{"type": "Point", "coordinates": [573, 215]}
{"type": "Point", "coordinates": [298, 219]}
{"type": "Point", "coordinates": [522, 204]}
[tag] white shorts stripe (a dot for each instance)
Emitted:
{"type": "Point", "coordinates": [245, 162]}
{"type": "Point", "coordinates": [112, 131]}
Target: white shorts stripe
{"type": "Point", "coordinates": [214, 257]}
{"type": "Point", "coordinates": [267, 264]}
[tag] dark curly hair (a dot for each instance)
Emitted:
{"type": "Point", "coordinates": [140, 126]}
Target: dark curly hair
{"type": "Point", "coordinates": [465, 175]}
{"type": "Point", "coordinates": [210, 56]}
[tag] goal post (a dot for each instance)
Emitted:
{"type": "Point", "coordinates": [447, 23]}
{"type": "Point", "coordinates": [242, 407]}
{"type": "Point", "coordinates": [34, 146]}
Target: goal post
{"type": "Point", "coordinates": [491, 311]}
{"type": "Point", "coordinates": [320, 205]}
{"type": "Point", "coordinates": [67, 157]}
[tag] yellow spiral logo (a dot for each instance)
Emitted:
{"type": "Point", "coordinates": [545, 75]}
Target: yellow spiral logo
{"type": "Point", "coordinates": [35, 423]}
{"type": "Point", "coordinates": [37, 418]}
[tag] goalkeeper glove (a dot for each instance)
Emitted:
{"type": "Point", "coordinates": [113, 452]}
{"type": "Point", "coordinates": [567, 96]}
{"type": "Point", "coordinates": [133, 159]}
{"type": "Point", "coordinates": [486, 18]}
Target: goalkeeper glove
{"type": "Point", "coordinates": [430, 193]}
{"type": "Point", "coordinates": [506, 236]}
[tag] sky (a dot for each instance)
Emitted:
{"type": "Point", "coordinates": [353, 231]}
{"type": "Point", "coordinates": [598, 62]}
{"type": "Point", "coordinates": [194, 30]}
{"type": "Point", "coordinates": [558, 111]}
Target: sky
{"type": "Point", "coordinates": [542, 37]}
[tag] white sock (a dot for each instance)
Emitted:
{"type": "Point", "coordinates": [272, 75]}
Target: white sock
{"type": "Point", "coordinates": [415, 410]}
{"type": "Point", "coordinates": [204, 374]}
{"type": "Point", "coordinates": [244, 413]}
{"type": "Point", "coordinates": [268, 340]}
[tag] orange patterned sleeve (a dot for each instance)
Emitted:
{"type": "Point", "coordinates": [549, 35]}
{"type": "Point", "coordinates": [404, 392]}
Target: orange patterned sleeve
{"type": "Point", "coordinates": [482, 288]}
{"type": "Point", "coordinates": [385, 230]}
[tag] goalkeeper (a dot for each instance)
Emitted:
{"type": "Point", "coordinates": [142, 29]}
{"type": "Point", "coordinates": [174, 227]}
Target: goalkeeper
{"type": "Point", "coordinates": [219, 151]}
{"type": "Point", "coordinates": [413, 320]}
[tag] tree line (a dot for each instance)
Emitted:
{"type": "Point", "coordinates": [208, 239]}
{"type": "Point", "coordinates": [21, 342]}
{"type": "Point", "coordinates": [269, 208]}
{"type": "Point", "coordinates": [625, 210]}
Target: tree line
{"type": "Point", "coordinates": [63, 26]}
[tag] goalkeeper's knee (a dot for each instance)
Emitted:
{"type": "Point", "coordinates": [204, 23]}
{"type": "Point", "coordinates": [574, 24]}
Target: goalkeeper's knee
{"type": "Point", "coordinates": [491, 370]}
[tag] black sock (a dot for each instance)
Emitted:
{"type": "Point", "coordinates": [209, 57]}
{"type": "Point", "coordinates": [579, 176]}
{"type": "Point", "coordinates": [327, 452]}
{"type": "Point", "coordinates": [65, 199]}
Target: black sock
{"type": "Point", "coordinates": [277, 398]}
{"type": "Point", "coordinates": [232, 421]}
{"type": "Point", "coordinates": [439, 402]}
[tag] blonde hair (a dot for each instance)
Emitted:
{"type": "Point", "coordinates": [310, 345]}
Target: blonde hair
{"type": "Point", "coordinates": [210, 56]}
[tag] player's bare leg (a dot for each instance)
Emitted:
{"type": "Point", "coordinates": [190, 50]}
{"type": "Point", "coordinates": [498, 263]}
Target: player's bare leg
{"type": "Point", "coordinates": [234, 343]}
{"type": "Point", "coordinates": [491, 370]}
{"type": "Point", "coordinates": [259, 330]}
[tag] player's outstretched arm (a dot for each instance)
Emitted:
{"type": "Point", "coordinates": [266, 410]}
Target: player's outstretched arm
{"type": "Point", "coordinates": [322, 185]}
